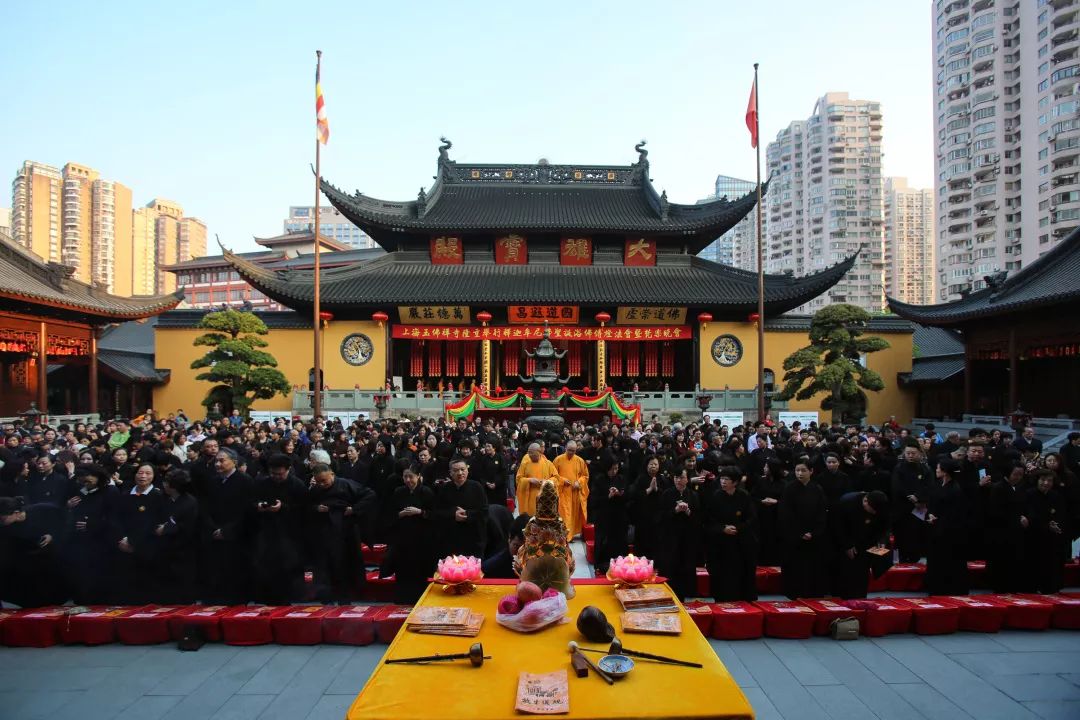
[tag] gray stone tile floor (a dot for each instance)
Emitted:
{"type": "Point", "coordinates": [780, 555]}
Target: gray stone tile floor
{"type": "Point", "coordinates": [1006, 676]}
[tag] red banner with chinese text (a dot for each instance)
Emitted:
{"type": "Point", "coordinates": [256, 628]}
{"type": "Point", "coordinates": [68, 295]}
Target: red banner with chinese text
{"type": "Point", "coordinates": [447, 250]}
{"type": "Point", "coordinates": [638, 333]}
{"type": "Point", "coordinates": [511, 250]}
{"type": "Point", "coordinates": [639, 252]}
{"type": "Point", "coordinates": [575, 251]}
{"type": "Point", "coordinates": [554, 314]}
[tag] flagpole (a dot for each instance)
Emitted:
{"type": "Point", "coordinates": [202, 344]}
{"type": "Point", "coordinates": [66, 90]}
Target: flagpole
{"type": "Point", "coordinates": [760, 257]}
{"type": "Point", "coordinates": [317, 323]}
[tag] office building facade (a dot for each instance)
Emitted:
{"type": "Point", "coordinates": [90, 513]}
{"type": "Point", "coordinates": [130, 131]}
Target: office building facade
{"type": "Point", "coordinates": [332, 224]}
{"type": "Point", "coordinates": [909, 242]}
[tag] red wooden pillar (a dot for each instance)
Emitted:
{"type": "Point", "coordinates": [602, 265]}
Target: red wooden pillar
{"type": "Point", "coordinates": [43, 369]}
{"type": "Point", "coordinates": [93, 370]}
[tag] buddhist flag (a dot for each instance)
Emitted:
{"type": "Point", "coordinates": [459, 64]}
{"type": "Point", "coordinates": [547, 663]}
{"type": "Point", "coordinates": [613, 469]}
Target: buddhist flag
{"type": "Point", "coordinates": [322, 125]}
{"type": "Point", "coordinates": [751, 114]}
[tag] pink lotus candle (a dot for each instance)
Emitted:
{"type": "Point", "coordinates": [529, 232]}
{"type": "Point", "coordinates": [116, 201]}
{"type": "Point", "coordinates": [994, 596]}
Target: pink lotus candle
{"type": "Point", "coordinates": [632, 570]}
{"type": "Point", "coordinates": [459, 569]}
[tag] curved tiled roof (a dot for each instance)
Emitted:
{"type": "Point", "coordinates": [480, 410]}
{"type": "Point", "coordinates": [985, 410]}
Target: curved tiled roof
{"type": "Point", "coordinates": [1051, 280]}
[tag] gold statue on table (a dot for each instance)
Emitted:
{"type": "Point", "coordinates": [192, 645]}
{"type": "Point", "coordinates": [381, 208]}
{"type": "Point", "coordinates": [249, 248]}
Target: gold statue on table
{"type": "Point", "coordinates": [546, 558]}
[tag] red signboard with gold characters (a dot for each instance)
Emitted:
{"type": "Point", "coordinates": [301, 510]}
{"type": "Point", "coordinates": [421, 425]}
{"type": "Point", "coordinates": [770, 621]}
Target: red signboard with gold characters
{"type": "Point", "coordinates": [447, 250]}
{"type": "Point", "coordinates": [575, 251]}
{"type": "Point", "coordinates": [536, 332]}
{"type": "Point", "coordinates": [640, 252]}
{"type": "Point", "coordinates": [511, 250]}
{"type": "Point", "coordinates": [554, 314]}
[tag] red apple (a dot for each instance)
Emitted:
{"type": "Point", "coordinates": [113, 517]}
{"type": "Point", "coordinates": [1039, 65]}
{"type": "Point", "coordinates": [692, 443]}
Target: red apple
{"type": "Point", "coordinates": [509, 605]}
{"type": "Point", "coordinates": [527, 592]}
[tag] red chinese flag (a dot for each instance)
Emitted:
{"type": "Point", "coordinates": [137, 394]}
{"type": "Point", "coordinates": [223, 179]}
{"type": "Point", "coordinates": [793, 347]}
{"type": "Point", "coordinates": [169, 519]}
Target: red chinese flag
{"type": "Point", "coordinates": [751, 115]}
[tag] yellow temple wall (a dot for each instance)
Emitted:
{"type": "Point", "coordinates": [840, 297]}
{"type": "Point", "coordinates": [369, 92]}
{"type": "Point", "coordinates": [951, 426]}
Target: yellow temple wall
{"type": "Point", "coordinates": [292, 348]}
{"type": "Point", "coordinates": [779, 345]}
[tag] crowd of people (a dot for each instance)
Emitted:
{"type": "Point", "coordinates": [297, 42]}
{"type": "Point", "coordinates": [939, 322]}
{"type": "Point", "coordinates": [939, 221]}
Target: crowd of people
{"type": "Point", "coordinates": [231, 511]}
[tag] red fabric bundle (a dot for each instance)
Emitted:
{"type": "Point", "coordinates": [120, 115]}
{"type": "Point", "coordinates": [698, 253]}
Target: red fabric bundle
{"type": "Point", "coordinates": [905, 577]}
{"type": "Point", "coordinates": [1072, 573]}
{"type": "Point", "coordinates": [349, 625]}
{"type": "Point", "coordinates": [380, 589]}
{"type": "Point", "coordinates": [205, 618]}
{"type": "Point", "coordinates": [590, 550]}
{"type": "Point", "coordinates": [978, 578]}
{"type": "Point", "coordinates": [589, 532]}
{"type": "Point", "coordinates": [825, 611]}
{"type": "Point", "coordinates": [34, 627]}
{"type": "Point", "coordinates": [146, 625]}
{"type": "Point", "coordinates": [1066, 614]}
{"type": "Point", "coordinates": [388, 620]}
{"type": "Point", "coordinates": [702, 586]}
{"type": "Point", "coordinates": [767, 579]}
{"type": "Point", "coordinates": [299, 625]}
{"type": "Point", "coordinates": [1026, 612]}
{"type": "Point", "coordinates": [934, 616]}
{"type": "Point", "coordinates": [95, 626]}
{"type": "Point", "coordinates": [248, 625]}
{"type": "Point", "coordinates": [878, 584]}
{"type": "Point", "coordinates": [737, 621]}
{"type": "Point", "coordinates": [373, 554]}
{"type": "Point", "coordinates": [702, 615]}
{"type": "Point", "coordinates": [510, 504]}
{"type": "Point", "coordinates": [787, 619]}
{"type": "Point", "coordinates": [978, 613]}
{"type": "Point", "coordinates": [884, 616]}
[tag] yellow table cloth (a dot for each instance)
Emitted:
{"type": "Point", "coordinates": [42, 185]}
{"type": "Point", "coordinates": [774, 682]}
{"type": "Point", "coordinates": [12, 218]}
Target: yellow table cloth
{"type": "Point", "coordinates": [457, 690]}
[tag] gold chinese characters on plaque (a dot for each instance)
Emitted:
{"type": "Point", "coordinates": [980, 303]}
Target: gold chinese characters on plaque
{"type": "Point", "coordinates": [434, 314]}
{"type": "Point", "coordinates": [447, 250]}
{"type": "Point", "coordinates": [554, 314]}
{"type": "Point", "coordinates": [650, 315]}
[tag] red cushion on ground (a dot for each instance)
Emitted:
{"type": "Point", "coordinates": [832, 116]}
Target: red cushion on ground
{"type": "Point", "coordinates": [934, 616]}
{"type": "Point", "coordinates": [388, 620]}
{"type": "Point", "coordinates": [590, 550]}
{"type": "Point", "coordinates": [373, 554]}
{"type": "Point", "coordinates": [768, 581]}
{"type": "Point", "coordinates": [148, 625]}
{"type": "Point", "coordinates": [1072, 573]}
{"type": "Point", "coordinates": [34, 627]}
{"type": "Point", "coordinates": [825, 611]}
{"type": "Point", "coordinates": [787, 619]}
{"type": "Point", "coordinates": [1026, 612]}
{"type": "Point", "coordinates": [349, 625]}
{"type": "Point", "coordinates": [1066, 614]}
{"type": "Point", "coordinates": [299, 624]}
{"type": "Point", "coordinates": [905, 577]}
{"type": "Point", "coordinates": [884, 616]}
{"type": "Point", "coordinates": [737, 621]}
{"type": "Point", "coordinates": [978, 613]}
{"type": "Point", "coordinates": [96, 626]}
{"type": "Point", "coordinates": [702, 585]}
{"type": "Point", "coordinates": [510, 504]}
{"type": "Point", "coordinates": [588, 532]}
{"type": "Point", "coordinates": [878, 584]}
{"type": "Point", "coordinates": [248, 625]}
{"type": "Point", "coordinates": [978, 578]}
{"type": "Point", "coordinates": [380, 589]}
{"type": "Point", "coordinates": [207, 618]}
{"type": "Point", "coordinates": [701, 613]}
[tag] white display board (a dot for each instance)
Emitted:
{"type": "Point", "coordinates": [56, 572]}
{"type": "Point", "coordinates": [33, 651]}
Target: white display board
{"type": "Point", "coordinates": [730, 418]}
{"type": "Point", "coordinates": [805, 418]}
{"type": "Point", "coordinates": [269, 415]}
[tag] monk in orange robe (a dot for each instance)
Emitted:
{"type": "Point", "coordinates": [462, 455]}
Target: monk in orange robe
{"type": "Point", "coordinates": [573, 487]}
{"type": "Point", "coordinates": [531, 473]}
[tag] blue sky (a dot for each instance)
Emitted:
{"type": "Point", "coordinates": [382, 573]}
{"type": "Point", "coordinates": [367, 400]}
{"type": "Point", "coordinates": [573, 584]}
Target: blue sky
{"type": "Point", "coordinates": [211, 104]}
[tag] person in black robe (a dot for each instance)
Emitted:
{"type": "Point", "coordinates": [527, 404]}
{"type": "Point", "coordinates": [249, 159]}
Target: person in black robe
{"type": "Point", "coordinates": [731, 539]}
{"type": "Point", "coordinates": [203, 469]}
{"type": "Point", "coordinates": [766, 491]}
{"type": "Point", "coordinates": [337, 509]}
{"type": "Point", "coordinates": [679, 522]}
{"type": "Point", "coordinates": [410, 557]}
{"type": "Point", "coordinates": [489, 470]}
{"type": "Point", "coordinates": [88, 548]}
{"type": "Point", "coordinates": [356, 465]}
{"type": "Point", "coordinates": [178, 534]}
{"type": "Point", "coordinates": [610, 512]}
{"type": "Point", "coordinates": [1048, 536]}
{"type": "Point", "coordinates": [461, 511]}
{"type": "Point", "coordinates": [803, 525]}
{"type": "Point", "coordinates": [910, 491]}
{"type": "Point", "coordinates": [278, 504]}
{"type": "Point", "coordinates": [645, 509]}
{"type": "Point", "coordinates": [30, 569]}
{"type": "Point", "coordinates": [501, 564]}
{"type": "Point", "coordinates": [948, 518]}
{"type": "Point", "coordinates": [976, 481]}
{"type": "Point", "coordinates": [44, 484]}
{"type": "Point", "coordinates": [873, 475]}
{"type": "Point", "coordinates": [858, 521]}
{"type": "Point", "coordinates": [1008, 523]}
{"type": "Point", "coordinates": [226, 556]}
{"type": "Point", "coordinates": [833, 480]}
{"type": "Point", "coordinates": [135, 544]}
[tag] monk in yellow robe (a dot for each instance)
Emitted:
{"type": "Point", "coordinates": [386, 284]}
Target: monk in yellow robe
{"type": "Point", "coordinates": [573, 487]}
{"type": "Point", "coordinates": [531, 474]}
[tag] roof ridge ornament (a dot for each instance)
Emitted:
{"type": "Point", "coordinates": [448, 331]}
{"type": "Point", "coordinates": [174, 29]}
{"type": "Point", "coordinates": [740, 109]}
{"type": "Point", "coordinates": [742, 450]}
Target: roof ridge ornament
{"type": "Point", "coordinates": [643, 154]}
{"type": "Point", "coordinates": [444, 156]}
{"type": "Point", "coordinates": [421, 203]}
{"type": "Point", "coordinates": [664, 206]}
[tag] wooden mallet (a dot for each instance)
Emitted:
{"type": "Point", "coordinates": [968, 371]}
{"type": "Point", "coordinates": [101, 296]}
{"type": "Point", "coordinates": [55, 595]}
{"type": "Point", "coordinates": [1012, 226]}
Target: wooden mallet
{"type": "Point", "coordinates": [575, 650]}
{"type": "Point", "coordinates": [475, 656]}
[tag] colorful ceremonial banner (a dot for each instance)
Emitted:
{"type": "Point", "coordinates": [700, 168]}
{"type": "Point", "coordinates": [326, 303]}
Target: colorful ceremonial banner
{"type": "Point", "coordinates": [447, 250]}
{"type": "Point", "coordinates": [650, 315]}
{"type": "Point", "coordinates": [606, 400]}
{"type": "Point", "coordinates": [536, 332]}
{"type": "Point", "coordinates": [445, 314]}
{"type": "Point", "coordinates": [511, 250]}
{"type": "Point", "coordinates": [639, 252]}
{"type": "Point", "coordinates": [561, 314]}
{"type": "Point", "coordinates": [575, 251]}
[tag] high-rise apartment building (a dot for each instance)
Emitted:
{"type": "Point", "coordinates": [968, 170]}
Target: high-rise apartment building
{"type": "Point", "coordinates": [332, 224]}
{"type": "Point", "coordinates": [731, 248]}
{"type": "Point", "coordinates": [35, 209]}
{"type": "Point", "coordinates": [176, 239]}
{"type": "Point", "coordinates": [909, 242]}
{"type": "Point", "coordinates": [144, 251]}
{"type": "Point", "coordinates": [825, 199]}
{"type": "Point", "coordinates": [5, 221]}
{"type": "Point", "coordinates": [1006, 102]}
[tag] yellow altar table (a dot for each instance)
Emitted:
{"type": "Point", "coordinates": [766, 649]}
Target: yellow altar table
{"type": "Point", "coordinates": [457, 690]}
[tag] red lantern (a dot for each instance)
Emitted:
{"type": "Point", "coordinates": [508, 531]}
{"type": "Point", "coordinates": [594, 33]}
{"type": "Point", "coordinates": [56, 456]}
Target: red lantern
{"type": "Point", "coordinates": [380, 317]}
{"type": "Point", "coordinates": [704, 318]}
{"type": "Point", "coordinates": [326, 316]}
{"type": "Point", "coordinates": [603, 317]}
{"type": "Point", "coordinates": [753, 317]}
{"type": "Point", "coordinates": [483, 316]}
